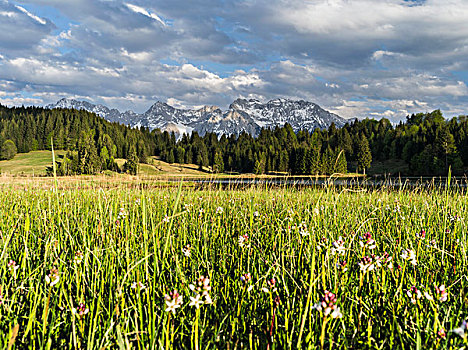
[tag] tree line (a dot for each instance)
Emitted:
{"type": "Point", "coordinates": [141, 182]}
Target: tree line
{"type": "Point", "coordinates": [427, 142]}
{"type": "Point", "coordinates": [92, 143]}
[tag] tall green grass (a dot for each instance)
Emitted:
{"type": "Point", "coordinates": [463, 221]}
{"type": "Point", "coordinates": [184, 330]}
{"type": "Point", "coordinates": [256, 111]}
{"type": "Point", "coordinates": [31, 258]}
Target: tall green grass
{"type": "Point", "coordinates": [120, 251]}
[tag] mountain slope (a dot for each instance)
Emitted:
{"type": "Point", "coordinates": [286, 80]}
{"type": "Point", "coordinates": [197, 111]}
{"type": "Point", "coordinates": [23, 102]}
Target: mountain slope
{"type": "Point", "coordinates": [242, 116]}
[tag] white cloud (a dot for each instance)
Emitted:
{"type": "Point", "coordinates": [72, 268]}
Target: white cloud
{"type": "Point", "coordinates": [144, 12]}
{"type": "Point", "coordinates": [355, 57]}
{"type": "Point", "coordinates": [29, 14]}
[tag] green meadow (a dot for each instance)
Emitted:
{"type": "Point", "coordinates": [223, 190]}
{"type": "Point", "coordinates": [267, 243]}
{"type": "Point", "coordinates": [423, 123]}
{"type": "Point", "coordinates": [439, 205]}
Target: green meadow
{"type": "Point", "coordinates": [259, 268]}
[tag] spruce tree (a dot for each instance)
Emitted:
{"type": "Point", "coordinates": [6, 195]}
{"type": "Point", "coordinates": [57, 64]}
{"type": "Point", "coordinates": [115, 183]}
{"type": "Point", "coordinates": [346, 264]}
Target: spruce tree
{"type": "Point", "coordinates": [364, 156]}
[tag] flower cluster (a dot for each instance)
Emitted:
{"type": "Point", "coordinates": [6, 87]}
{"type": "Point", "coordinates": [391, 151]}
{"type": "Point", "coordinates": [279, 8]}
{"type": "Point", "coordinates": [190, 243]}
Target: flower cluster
{"type": "Point", "coordinates": [80, 310]}
{"type": "Point", "coordinates": [173, 301]}
{"type": "Point", "coordinates": [409, 255]}
{"type": "Point", "coordinates": [367, 241]}
{"type": "Point", "coordinates": [341, 265]}
{"type": "Point", "coordinates": [441, 293]}
{"type": "Point", "coordinates": [53, 277]}
{"type": "Point", "coordinates": [246, 278]}
{"type": "Point", "coordinates": [302, 228]}
{"type": "Point", "coordinates": [243, 240]}
{"type": "Point", "coordinates": [461, 331]}
{"type": "Point", "coordinates": [270, 285]}
{"type": "Point", "coordinates": [421, 235]}
{"type": "Point", "coordinates": [414, 294]}
{"type": "Point", "coordinates": [219, 210]}
{"type": "Point", "coordinates": [367, 263]}
{"type": "Point", "coordinates": [338, 247]}
{"type": "Point", "coordinates": [187, 250]}
{"type": "Point", "coordinates": [138, 285]}
{"type": "Point", "coordinates": [327, 305]}
{"type": "Point", "coordinates": [201, 288]}
{"type": "Point", "coordinates": [78, 258]}
{"type": "Point", "coordinates": [12, 267]}
{"type": "Point", "coordinates": [122, 214]}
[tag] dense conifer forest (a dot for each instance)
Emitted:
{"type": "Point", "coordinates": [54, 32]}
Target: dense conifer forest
{"type": "Point", "coordinates": [427, 142]}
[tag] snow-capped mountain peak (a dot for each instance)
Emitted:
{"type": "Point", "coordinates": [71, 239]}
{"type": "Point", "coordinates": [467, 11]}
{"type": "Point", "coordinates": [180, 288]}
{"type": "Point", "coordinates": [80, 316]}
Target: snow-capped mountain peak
{"type": "Point", "coordinates": [242, 116]}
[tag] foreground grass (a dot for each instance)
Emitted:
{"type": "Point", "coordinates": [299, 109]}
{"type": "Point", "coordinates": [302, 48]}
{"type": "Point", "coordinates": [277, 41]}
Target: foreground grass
{"type": "Point", "coordinates": [91, 269]}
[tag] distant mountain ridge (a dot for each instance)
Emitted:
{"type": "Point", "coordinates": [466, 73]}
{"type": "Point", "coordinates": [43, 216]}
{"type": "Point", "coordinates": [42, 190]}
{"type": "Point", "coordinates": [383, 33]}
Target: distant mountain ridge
{"type": "Point", "coordinates": [242, 115]}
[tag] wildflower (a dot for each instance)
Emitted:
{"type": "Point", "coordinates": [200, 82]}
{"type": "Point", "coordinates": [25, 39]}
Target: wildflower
{"type": "Point", "coordinates": [341, 265]}
{"type": "Point", "coordinates": [219, 210]}
{"type": "Point", "coordinates": [187, 250]}
{"type": "Point", "coordinates": [196, 301]}
{"type": "Point", "coordinates": [366, 264]}
{"type": "Point", "coordinates": [316, 211]}
{"type": "Point", "coordinates": [327, 305]}
{"type": "Point", "coordinates": [173, 301]}
{"type": "Point", "coordinates": [245, 278]}
{"type": "Point", "coordinates": [137, 201]}
{"type": "Point", "coordinates": [256, 214]}
{"type": "Point", "coordinates": [81, 310]}
{"type": "Point", "coordinates": [369, 243]}
{"type": "Point", "coordinates": [202, 288]}
{"type": "Point", "coordinates": [322, 244]}
{"type": "Point", "coordinates": [78, 258]}
{"type": "Point", "coordinates": [271, 286]}
{"type": "Point", "coordinates": [12, 267]}
{"type": "Point", "coordinates": [432, 244]}
{"type": "Point", "coordinates": [441, 293]}
{"type": "Point", "coordinates": [410, 256]}
{"type": "Point", "coordinates": [338, 247]}
{"type": "Point", "coordinates": [461, 331]}
{"type": "Point", "coordinates": [138, 285]}
{"type": "Point", "coordinates": [428, 296]}
{"type": "Point", "coordinates": [414, 293]}
{"type": "Point", "coordinates": [421, 235]}
{"type": "Point", "coordinates": [441, 334]}
{"type": "Point", "coordinates": [243, 239]}
{"type": "Point", "coordinates": [166, 218]}
{"type": "Point", "coordinates": [387, 260]}
{"type": "Point", "coordinates": [303, 231]}
{"type": "Point", "coordinates": [53, 277]}
{"type": "Point", "coordinates": [122, 214]}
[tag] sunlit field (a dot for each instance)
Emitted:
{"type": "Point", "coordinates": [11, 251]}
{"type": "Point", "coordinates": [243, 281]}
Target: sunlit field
{"type": "Point", "coordinates": [279, 268]}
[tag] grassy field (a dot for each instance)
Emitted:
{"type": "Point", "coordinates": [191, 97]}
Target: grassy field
{"type": "Point", "coordinates": [32, 163]}
{"type": "Point", "coordinates": [36, 163]}
{"type": "Point", "coordinates": [164, 268]}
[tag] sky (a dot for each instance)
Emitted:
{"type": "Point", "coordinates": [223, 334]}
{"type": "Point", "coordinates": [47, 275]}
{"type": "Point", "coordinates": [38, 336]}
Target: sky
{"type": "Point", "coordinates": [356, 58]}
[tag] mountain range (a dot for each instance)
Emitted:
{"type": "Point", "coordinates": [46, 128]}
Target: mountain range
{"type": "Point", "coordinates": [242, 115]}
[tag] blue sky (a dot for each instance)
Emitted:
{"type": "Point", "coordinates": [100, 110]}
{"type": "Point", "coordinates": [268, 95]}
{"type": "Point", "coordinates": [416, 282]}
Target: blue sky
{"type": "Point", "coordinates": [357, 58]}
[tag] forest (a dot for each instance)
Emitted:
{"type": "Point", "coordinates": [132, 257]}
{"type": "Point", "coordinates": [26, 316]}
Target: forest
{"type": "Point", "coordinates": [427, 142]}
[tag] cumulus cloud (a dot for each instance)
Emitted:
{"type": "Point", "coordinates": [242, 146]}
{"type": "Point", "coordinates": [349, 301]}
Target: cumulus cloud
{"type": "Point", "coordinates": [355, 57]}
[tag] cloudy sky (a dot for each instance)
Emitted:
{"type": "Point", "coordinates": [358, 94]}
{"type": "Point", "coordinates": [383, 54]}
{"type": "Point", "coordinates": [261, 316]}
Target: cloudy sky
{"type": "Point", "coordinates": [364, 58]}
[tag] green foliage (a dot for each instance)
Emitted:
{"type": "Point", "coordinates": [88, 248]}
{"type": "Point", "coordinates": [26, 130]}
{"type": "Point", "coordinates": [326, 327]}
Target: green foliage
{"type": "Point", "coordinates": [427, 143]}
{"type": "Point", "coordinates": [364, 156]}
{"type": "Point", "coordinates": [8, 150]}
{"type": "Point", "coordinates": [132, 163]}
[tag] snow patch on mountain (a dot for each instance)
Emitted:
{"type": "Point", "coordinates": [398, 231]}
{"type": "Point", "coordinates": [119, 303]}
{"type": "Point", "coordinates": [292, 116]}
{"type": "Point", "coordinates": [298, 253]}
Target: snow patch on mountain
{"type": "Point", "coordinates": [242, 116]}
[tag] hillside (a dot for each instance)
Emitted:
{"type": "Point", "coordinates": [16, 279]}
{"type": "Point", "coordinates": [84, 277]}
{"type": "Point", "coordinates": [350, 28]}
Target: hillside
{"type": "Point", "coordinates": [32, 163]}
{"type": "Point", "coordinates": [35, 163]}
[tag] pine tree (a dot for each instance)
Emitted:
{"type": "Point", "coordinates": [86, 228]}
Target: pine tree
{"type": "Point", "coordinates": [218, 166]}
{"type": "Point", "coordinates": [364, 156]}
{"type": "Point", "coordinates": [131, 166]}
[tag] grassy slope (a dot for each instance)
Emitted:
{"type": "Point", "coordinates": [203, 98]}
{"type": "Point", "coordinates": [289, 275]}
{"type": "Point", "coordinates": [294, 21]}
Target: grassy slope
{"type": "Point", "coordinates": [36, 162]}
{"type": "Point", "coordinates": [28, 163]}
